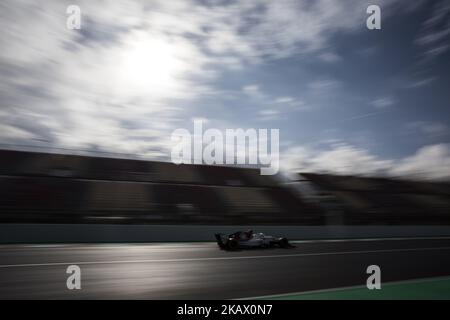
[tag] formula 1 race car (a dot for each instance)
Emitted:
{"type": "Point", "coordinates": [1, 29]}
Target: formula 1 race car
{"type": "Point", "coordinates": [248, 239]}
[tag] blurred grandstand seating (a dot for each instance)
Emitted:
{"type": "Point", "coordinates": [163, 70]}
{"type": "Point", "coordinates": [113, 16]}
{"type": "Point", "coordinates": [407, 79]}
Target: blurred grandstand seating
{"type": "Point", "coordinates": [383, 201]}
{"type": "Point", "coordinates": [56, 188]}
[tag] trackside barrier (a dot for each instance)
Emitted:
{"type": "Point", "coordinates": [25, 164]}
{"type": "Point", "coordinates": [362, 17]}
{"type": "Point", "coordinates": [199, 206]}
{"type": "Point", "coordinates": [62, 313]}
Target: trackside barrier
{"type": "Point", "coordinates": [79, 233]}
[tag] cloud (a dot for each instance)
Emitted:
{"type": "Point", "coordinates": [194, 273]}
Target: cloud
{"type": "Point", "coordinates": [330, 57]}
{"type": "Point", "coordinates": [421, 82]}
{"type": "Point", "coordinates": [284, 100]}
{"type": "Point", "coordinates": [274, 106]}
{"type": "Point", "coordinates": [136, 69]}
{"type": "Point", "coordinates": [269, 114]}
{"type": "Point", "coordinates": [431, 129]}
{"type": "Point", "coordinates": [290, 103]}
{"type": "Point", "coordinates": [340, 158]}
{"type": "Point", "coordinates": [119, 85]}
{"type": "Point", "coordinates": [434, 36]}
{"type": "Point", "coordinates": [286, 27]}
{"type": "Point", "coordinates": [323, 84]}
{"type": "Point", "coordinates": [10, 132]}
{"type": "Point", "coordinates": [382, 103]}
{"type": "Point", "coordinates": [253, 91]}
{"type": "Point", "coordinates": [364, 115]}
{"type": "Point", "coordinates": [368, 52]}
{"type": "Point", "coordinates": [428, 163]}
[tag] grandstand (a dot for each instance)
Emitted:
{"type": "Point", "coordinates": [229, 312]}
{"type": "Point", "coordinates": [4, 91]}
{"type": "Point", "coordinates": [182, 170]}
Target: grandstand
{"type": "Point", "coordinates": [58, 188]}
{"type": "Point", "coordinates": [382, 201]}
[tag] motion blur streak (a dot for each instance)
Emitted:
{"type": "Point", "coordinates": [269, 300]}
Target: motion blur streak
{"type": "Point", "coordinates": [59, 188]}
{"type": "Point", "coordinates": [201, 271]}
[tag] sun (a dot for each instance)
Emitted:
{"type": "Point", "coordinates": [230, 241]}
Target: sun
{"type": "Point", "coordinates": [150, 63]}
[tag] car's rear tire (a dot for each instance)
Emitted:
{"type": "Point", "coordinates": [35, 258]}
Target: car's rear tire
{"type": "Point", "coordinates": [232, 244]}
{"type": "Point", "coordinates": [284, 243]}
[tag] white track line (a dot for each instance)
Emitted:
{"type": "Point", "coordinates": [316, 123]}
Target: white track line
{"type": "Point", "coordinates": [222, 258]}
{"type": "Point", "coordinates": [371, 239]}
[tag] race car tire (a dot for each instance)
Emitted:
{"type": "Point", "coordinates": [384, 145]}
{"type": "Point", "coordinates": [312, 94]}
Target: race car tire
{"type": "Point", "coordinates": [232, 245]}
{"type": "Point", "coordinates": [284, 243]}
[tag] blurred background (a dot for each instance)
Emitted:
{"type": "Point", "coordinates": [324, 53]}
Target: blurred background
{"type": "Point", "coordinates": [58, 188]}
{"type": "Point", "coordinates": [86, 115]}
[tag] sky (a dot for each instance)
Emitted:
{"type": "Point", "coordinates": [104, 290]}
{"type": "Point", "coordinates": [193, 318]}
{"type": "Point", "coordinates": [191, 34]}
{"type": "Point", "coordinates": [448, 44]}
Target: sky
{"type": "Point", "coordinates": [346, 99]}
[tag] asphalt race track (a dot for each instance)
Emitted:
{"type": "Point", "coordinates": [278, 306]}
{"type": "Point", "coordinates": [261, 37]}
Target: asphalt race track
{"type": "Point", "coordinates": [202, 271]}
